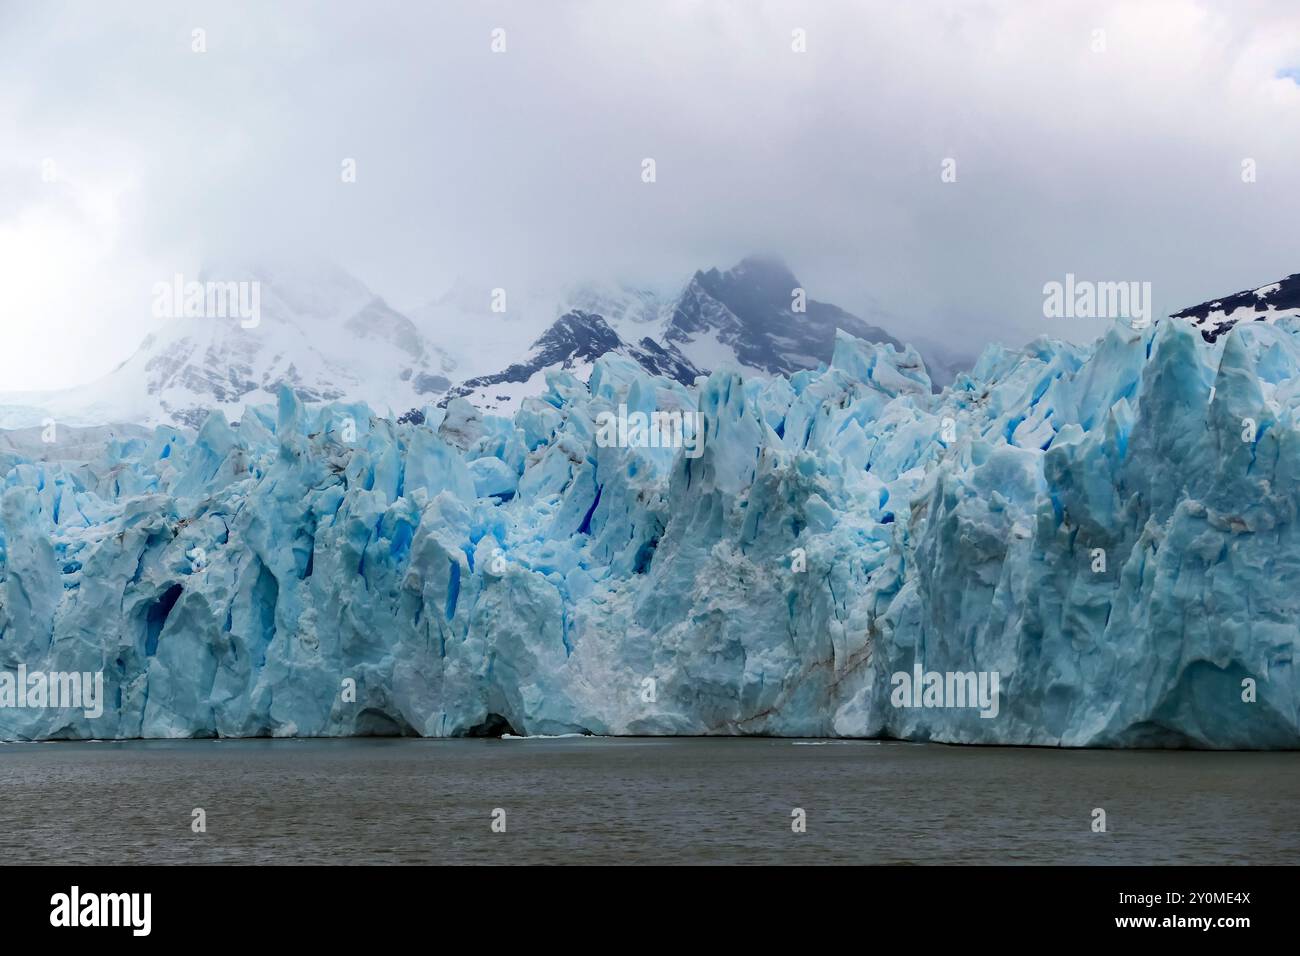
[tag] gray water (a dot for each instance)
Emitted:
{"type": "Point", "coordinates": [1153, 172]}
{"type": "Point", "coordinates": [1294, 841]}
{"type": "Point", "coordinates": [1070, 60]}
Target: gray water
{"type": "Point", "coordinates": [600, 800]}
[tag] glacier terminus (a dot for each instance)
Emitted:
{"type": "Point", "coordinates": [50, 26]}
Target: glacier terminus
{"type": "Point", "coordinates": [1111, 530]}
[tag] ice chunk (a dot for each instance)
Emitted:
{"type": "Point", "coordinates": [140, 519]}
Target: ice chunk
{"type": "Point", "coordinates": [1106, 535]}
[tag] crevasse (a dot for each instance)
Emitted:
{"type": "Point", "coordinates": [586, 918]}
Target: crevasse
{"type": "Point", "coordinates": [841, 526]}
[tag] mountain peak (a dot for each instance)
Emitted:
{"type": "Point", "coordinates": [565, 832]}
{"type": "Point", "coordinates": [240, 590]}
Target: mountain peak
{"type": "Point", "coordinates": [314, 328]}
{"type": "Point", "coordinates": [765, 270]}
{"type": "Point", "coordinates": [755, 315]}
{"type": "Point", "coordinates": [576, 335]}
{"type": "Point", "coordinates": [756, 278]}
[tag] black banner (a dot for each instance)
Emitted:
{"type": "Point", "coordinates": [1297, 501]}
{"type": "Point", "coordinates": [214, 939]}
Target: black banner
{"type": "Point", "coordinates": [216, 905]}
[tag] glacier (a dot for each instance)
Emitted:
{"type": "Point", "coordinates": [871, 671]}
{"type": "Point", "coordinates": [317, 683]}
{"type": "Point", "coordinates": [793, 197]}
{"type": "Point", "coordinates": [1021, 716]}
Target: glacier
{"type": "Point", "coordinates": [1111, 529]}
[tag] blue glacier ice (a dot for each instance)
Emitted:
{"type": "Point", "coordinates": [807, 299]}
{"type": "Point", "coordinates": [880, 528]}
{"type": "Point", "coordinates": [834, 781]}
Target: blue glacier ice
{"type": "Point", "coordinates": [1111, 529]}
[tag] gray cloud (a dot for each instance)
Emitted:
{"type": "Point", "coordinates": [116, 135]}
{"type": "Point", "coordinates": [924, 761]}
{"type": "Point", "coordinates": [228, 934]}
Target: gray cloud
{"type": "Point", "coordinates": [523, 168]}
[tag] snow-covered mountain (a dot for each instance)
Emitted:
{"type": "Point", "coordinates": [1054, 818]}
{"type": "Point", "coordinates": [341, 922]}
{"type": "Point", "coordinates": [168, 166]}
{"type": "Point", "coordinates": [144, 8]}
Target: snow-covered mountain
{"type": "Point", "coordinates": [1266, 304]}
{"type": "Point", "coordinates": [754, 316]}
{"type": "Point", "coordinates": [326, 335]}
{"type": "Point", "coordinates": [572, 344]}
{"type": "Point", "coordinates": [319, 330]}
{"type": "Point", "coordinates": [748, 316]}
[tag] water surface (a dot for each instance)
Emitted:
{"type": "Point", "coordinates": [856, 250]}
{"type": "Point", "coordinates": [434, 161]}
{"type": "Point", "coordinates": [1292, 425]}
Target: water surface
{"type": "Point", "coordinates": [605, 800]}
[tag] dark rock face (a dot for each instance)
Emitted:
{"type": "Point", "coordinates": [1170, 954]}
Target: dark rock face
{"type": "Point", "coordinates": [664, 360]}
{"type": "Point", "coordinates": [746, 315]}
{"type": "Point", "coordinates": [575, 337]}
{"type": "Point", "coordinates": [579, 338]}
{"type": "Point", "coordinates": [751, 310]}
{"type": "Point", "coordinates": [1265, 304]}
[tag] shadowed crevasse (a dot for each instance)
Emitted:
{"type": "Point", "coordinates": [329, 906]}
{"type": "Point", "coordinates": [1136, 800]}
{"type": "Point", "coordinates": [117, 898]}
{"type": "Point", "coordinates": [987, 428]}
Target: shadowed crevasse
{"type": "Point", "coordinates": [1111, 529]}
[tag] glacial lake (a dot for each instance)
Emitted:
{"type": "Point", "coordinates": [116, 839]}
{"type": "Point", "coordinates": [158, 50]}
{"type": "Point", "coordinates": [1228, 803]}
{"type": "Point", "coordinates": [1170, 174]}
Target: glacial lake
{"type": "Point", "coordinates": [652, 800]}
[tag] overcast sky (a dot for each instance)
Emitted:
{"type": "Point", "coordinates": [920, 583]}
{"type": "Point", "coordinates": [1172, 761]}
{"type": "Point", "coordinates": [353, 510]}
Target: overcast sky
{"type": "Point", "coordinates": [524, 167]}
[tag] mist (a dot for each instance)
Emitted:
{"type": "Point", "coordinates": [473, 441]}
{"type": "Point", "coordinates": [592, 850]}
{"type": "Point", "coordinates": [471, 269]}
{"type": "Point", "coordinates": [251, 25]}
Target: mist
{"type": "Point", "coordinates": [504, 144]}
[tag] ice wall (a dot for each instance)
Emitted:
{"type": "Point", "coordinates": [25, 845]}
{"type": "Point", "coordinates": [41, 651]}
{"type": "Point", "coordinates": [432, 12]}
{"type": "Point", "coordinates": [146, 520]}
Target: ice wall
{"type": "Point", "coordinates": [1111, 530]}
